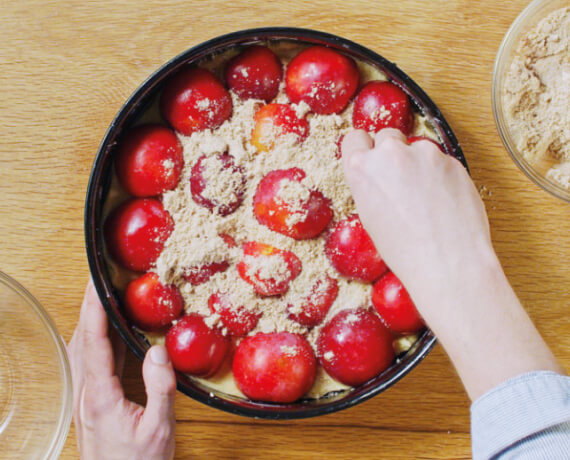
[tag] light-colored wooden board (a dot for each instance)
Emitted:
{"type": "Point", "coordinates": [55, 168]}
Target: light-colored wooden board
{"type": "Point", "coordinates": [66, 68]}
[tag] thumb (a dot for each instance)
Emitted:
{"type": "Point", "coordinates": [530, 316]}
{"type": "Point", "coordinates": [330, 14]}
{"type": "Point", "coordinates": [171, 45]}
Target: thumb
{"type": "Point", "coordinates": [160, 384]}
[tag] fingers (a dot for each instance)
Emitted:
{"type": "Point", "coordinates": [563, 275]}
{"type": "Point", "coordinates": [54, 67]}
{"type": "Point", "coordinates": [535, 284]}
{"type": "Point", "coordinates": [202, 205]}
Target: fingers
{"type": "Point", "coordinates": [74, 351]}
{"type": "Point", "coordinates": [160, 385]}
{"type": "Point", "coordinates": [98, 359]}
{"type": "Point", "coordinates": [92, 317]}
{"type": "Point", "coordinates": [357, 141]}
{"type": "Point", "coordinates": [119, 351]}
{"type": "Point", "coordinates": [389, 133]}
{"type": "Point", "coordinates": [77, 346]}
{"type": "Point", "coordinates": [428, 150]}
{"type": "Point", "coordinates": [91, 362]}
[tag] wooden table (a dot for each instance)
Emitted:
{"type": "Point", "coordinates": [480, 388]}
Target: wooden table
{"type": "Point", "coordinates": [66, 68]}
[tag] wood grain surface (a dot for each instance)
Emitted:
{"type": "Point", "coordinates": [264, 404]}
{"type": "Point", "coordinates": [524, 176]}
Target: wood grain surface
{"type": "Point", "coordinates": [66, 67]}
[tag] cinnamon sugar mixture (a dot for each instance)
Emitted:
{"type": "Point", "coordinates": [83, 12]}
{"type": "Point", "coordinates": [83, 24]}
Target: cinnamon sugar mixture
{"type": "Point", "coordinates": [195, 240]}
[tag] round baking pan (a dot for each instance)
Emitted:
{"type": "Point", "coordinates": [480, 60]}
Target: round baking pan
{"type": "Point", "coordinates": [100, 181]}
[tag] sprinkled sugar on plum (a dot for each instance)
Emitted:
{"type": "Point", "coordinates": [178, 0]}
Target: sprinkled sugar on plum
{"type": "Point", "coordinates": [285, 204]}
{"type": "Point", "coordinates": [255, 73]}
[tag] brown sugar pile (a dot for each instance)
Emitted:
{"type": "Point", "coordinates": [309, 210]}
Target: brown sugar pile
{"type": "Point", "coordinates": [537, 96]}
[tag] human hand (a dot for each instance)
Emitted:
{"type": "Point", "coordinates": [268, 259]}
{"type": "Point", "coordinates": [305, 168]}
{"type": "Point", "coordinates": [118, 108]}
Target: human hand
{"type": "Point", "coordinates": [430, 226]}
{"type": "Point", "coordinates": [419, 206]}
{"type": "Point", "coordinates": [108, 426]}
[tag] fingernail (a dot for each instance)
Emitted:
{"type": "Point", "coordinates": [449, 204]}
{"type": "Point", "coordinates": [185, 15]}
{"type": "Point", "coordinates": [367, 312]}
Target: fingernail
{"type": "Point", "coordinates": [158, 355]}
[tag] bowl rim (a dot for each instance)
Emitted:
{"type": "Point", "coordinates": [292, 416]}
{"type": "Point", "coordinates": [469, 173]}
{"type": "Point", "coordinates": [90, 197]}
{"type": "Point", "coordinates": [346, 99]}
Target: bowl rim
{"type": "Point", "coordinates": [95, 196]}
{"type": "Point", "coordinates": [526, 19]}
{"type": "Point", "coordinates": [65, 413]}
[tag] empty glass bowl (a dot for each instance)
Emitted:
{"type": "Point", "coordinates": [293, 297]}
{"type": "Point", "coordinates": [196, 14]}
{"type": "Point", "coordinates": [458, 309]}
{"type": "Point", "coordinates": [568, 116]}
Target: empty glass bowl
{"type": "Point", "coordinates": [35, 380]}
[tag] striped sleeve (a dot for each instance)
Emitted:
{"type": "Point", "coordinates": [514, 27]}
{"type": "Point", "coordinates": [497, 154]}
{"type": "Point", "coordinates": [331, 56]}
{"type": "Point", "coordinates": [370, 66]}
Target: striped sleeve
{"type": "Point", "coordinates": [526, 417]}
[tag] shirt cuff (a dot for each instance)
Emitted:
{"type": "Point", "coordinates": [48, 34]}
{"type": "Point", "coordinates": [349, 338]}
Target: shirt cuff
{"type": "Point", "coordinates": [516, 409]}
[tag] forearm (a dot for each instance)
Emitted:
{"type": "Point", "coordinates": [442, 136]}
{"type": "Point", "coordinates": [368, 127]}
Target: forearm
{"type": "Point", "coordinates": [488, 336]}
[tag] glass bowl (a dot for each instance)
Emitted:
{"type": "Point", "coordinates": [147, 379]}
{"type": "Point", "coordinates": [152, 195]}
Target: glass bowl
{"type": "Point", "coordinates": [529, 18]}
{"type": "Point", "coordinates": [100, 181]}
{"type": "Point", "coordinates": [35, 380]}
